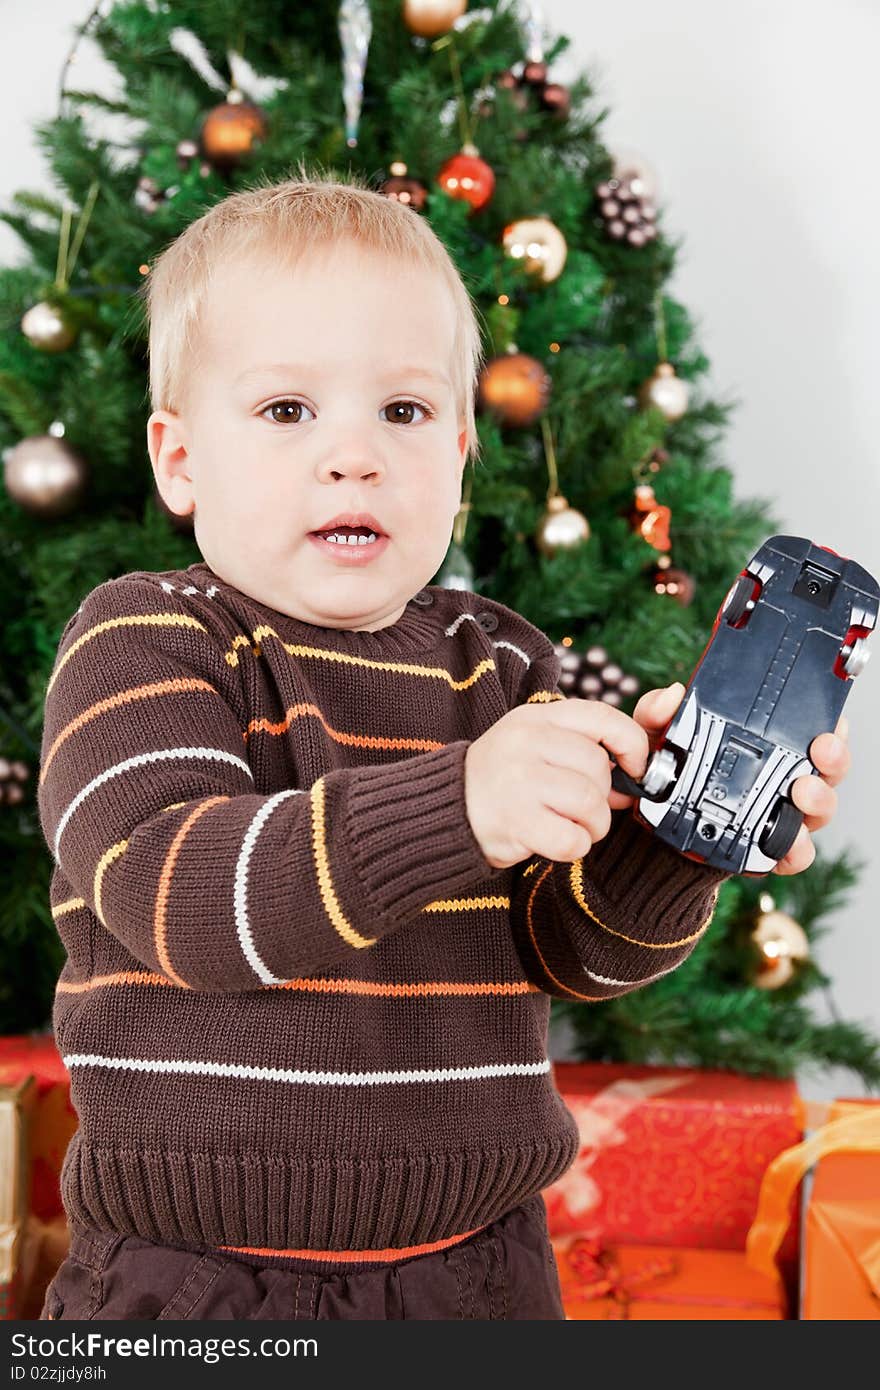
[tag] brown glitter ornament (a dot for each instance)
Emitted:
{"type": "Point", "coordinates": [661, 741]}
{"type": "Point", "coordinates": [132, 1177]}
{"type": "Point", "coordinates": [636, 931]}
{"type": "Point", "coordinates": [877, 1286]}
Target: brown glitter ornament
{"type": "Point", "coordinates": [675, 583]}
{"type": "Point", "coordinates": [664, 391]}
{"type": "Point", "coordinates": [403, 189]}
{"type": "Point", "coordinates": [515, 388]}
{"type": "Point", "coordinates": [561, 527]}
{"type": "Point", "coordinates": [591, 676]}
{"type": "Point", "coordinates": [627, 216]}
{"type": "Point", "coordinates": [430, 18]}
{"type": "Point", "coordinates": [649, 518]}
{"type": "Point", "coordinates": [44, 475]}
{"type": "Point", "coordinates": [47, 327]}
{"type": "Point", "coordinates": [780, 943]}
{"type": "Point", "coordinates": [468, 177]}
{"type": "Point", "coordinates": [232, 130]}
{"type": "Point", "coordinates": [12, 777]}
{"type": "Point", "coordinates": [534, 73]}
{"type": "Point", "coordinates": [538, 244]}
{"type": "Point", "coordinates": [556, 99]}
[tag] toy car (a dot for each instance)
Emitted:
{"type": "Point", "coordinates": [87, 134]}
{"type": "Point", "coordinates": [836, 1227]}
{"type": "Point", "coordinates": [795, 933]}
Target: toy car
{"type": "Point", "coordinates": [787, 643]}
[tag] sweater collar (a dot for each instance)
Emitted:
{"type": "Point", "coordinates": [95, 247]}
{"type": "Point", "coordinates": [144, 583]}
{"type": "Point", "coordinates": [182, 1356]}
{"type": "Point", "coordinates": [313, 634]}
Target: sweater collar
{"type": "Point", "coordinates": [419, 628]}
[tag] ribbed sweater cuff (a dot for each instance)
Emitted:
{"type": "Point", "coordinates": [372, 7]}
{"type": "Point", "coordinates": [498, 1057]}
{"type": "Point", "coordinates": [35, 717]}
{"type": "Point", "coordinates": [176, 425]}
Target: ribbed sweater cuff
{"type": "Point", "coordinates": [642, 879]}
{"type": "Point", "coordinates": [409, 834]}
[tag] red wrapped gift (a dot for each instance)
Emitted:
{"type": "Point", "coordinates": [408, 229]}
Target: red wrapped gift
{"type": "Point", "coordinates": [53, 1120]}
{"type": "Point", "coordinates": [651, 1283]}
{"type": "Point", "coordinates": [670, 1156]}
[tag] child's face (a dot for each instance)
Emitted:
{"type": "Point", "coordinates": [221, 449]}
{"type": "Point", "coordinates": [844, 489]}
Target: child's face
{"type": "Point", "coordinates": [350, 326]}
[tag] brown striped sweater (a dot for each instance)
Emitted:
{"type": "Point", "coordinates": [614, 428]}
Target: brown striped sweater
{"type": "Point", "coordinates": [300, 1010]}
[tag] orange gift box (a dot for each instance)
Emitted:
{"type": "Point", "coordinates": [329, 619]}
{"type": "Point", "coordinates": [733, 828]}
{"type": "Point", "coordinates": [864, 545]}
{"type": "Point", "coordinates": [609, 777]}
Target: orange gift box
{"type": "Point", "coordinates": [653, 1283]}
{"type": "Point", "coordinates": [841, 1256]}
{"type": "Point", "coordinates": [671, 1156]}
{"type": "Point", "coordinates": [53, 1120]}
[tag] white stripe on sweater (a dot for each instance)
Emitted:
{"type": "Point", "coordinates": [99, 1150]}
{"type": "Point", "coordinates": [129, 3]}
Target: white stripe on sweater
{"type": "Point", "coordinates": [634, 984]}
{"type": "Point", "coordinates": [219, 754]}
{"type": "Point", "coordinates": [311, 1078]}
{"type": "Point", "coordinates": [240, 891]}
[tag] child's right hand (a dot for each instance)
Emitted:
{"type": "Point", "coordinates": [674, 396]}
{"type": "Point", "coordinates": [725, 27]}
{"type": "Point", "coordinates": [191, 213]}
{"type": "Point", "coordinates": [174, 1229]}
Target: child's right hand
{"type": "Point", "coordinates": [539, 780]}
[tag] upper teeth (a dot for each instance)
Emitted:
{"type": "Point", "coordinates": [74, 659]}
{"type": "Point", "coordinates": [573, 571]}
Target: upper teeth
{"type": "Point", "coordinates": [338, 539]}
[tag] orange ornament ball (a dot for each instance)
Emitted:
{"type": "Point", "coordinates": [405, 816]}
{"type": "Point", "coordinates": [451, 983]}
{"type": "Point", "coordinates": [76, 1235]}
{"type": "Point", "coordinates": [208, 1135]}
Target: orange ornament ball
{"type": "Point", "coordinates": [231, 130]}
{"type": "Point", "coordinates": [468, 177]}
{"type": "Point", "coordinates": [516, 388]}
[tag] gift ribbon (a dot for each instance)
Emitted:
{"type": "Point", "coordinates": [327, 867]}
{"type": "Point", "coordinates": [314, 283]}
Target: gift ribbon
{"type": "Point", "coordinates": [603, 1278]}
{"type": "Point", "coordinates": [854, 1133]}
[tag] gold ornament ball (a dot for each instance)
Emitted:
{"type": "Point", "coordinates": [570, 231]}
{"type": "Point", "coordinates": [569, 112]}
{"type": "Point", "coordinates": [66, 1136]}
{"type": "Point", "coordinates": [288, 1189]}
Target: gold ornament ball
{"type": "Point", "coordinates": [781, 942]}
{"type": "Point", "coordinates": [539, 244]}
{"type": "Point", "coordinates": [561, 527]}
{"type": "Point", "coordinates": [430, 18]}
{"type": "Point", "coordinates": [44, 475]}
{"type": "Point", "coordinates": [231, 130]}
{"type": "Point", "coordinates": [48, 328]}
{"type": "Point", "coordinates": [516, 388]}
{"type": "Point", "coordinates": [665, 391]}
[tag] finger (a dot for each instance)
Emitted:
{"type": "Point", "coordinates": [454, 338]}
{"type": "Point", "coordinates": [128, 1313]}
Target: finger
{"type": "Point", "coordinates": [816, 799]}
{"type": "Point", "coordinates": [656, 707]}
{"type": "Point", "coordinates": [799, 857]}
{"type": "Point", "coordinates": [577, 799]}
{"type": "Point", "coordinates": [617, 732]}
{"type": "Point", "coordinates": [565, 748]}
{"type": "Point", "coordinates": [830, 755]}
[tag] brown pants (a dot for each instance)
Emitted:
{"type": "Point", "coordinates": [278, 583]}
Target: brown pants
{"type": "Point", "coordinates": [507, 1270]}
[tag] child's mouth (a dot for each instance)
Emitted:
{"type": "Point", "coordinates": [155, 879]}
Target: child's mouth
{"type": "Point", "coordinates": [360, 552]}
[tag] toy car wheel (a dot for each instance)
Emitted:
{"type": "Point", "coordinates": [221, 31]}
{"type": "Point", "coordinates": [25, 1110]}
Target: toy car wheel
{"type": "Point", "coordinates": [660, 773]}
{"type": "Point", "coordinates": [781, 831]}
{"type": "Point", "coordinates": [738, 600]}
{"type": "Point", "coordinates": [855, 657]}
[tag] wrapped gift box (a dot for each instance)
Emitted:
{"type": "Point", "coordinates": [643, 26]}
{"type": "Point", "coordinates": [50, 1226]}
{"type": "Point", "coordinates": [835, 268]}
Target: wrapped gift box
{"type": "Point", "coordinates": [16, 1105]}
{"type": "Point", "coordinates": [53, 1120]}
{"type": "Point", "coordinates": [669, 1156]}
{"type": "Point", "coordinates": [653, 1283]}
{"type": "Point", "coordinates": [840, 1272]}
{"type": "Point", "coordinates": [40, 1240]}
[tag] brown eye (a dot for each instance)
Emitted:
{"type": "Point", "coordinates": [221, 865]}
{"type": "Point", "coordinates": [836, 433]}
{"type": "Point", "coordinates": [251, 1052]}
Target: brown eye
{"type": "Point", "coordinates": [288, 412]}
{"type": "Point", "coordinates": [407, 406]}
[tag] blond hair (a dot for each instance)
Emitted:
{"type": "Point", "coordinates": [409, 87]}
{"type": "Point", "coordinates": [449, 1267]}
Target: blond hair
{"type": "Point", "coordinates": [290, 218]}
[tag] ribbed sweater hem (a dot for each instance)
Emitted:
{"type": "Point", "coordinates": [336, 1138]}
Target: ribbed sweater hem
{"type": "Point", "coordinates": [206, 1200]}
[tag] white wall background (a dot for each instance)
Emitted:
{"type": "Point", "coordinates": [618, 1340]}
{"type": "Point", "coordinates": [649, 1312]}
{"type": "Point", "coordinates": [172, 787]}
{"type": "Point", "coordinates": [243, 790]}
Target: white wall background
{"type": "Point", "coordinates": [760, 122]}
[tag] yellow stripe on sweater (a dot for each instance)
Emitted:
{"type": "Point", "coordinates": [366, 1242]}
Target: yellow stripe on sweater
{"type": "Point", "coordinates": [346, 658]}
{"type": "Point", "coordinates": [322, 866]}
{"type": "Point", "coordinates": [137, 619]}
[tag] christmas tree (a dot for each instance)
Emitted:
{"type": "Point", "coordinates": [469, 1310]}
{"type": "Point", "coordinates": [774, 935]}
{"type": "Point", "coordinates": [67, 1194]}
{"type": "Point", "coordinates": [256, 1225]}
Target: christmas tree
{"type": "Point", "coordinates": [593, 504]}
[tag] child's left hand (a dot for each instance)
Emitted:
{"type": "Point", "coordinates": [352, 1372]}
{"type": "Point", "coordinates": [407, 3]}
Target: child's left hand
{"type": "Point", "coordinates": [829, 753]}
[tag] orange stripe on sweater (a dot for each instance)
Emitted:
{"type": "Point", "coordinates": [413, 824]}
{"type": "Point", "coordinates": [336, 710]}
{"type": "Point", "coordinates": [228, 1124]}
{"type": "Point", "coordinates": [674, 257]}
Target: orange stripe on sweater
{"type": "Point", "coordinates": [369, 988]}
{"type": "Point", "coordinates": [352, 740]}
{"type": "Point", "coordinates": [389, 1253]}
{"type": "Point", "coordinates": [136, 692]}
{"type": "Point", "coordinates": [164, 888]}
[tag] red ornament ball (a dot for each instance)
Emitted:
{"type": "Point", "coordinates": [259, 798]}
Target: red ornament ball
{"type": "Point", "coordinates": [468, 177]}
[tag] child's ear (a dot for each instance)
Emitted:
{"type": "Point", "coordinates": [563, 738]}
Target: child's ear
{"type": "Point", "coordinates": [462, 443]}
{"type": "Point", "coordinates": [167, 445]}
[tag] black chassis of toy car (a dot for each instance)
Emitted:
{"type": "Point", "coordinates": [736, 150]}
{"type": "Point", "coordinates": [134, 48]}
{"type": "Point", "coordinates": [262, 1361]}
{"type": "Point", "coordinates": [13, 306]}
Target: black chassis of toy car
{"type": "Point", "coordinates": [776, 671]}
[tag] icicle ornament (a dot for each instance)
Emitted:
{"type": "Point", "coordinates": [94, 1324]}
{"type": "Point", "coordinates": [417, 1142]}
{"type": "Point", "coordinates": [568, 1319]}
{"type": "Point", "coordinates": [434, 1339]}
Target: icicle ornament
{"type": "Point", "coordinates": [355, 28]}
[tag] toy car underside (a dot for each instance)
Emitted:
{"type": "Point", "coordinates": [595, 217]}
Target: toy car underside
{"type": "Point", "coordinates": [776, 672]}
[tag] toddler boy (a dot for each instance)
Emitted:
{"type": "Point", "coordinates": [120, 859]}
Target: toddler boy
{"type": "Point", "coordinates": [326, 837]}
